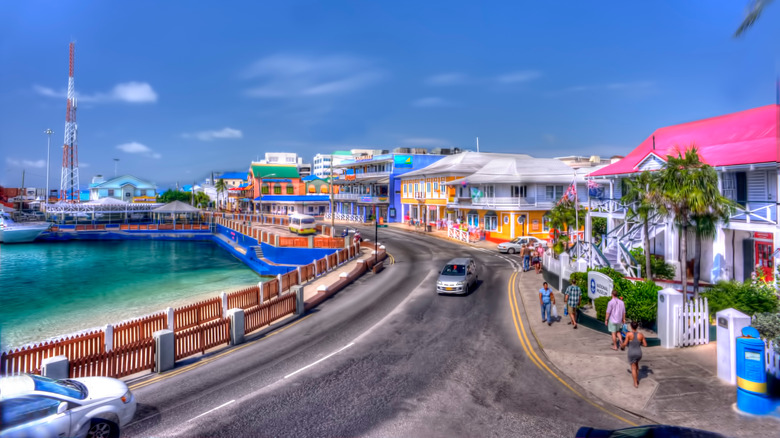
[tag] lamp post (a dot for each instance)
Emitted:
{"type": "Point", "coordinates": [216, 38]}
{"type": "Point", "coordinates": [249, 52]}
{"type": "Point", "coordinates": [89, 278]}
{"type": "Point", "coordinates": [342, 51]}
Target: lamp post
{"type": "Point", "coordinates": [330, 192]}
{"type": "Point", "coordinates": [48, 132]}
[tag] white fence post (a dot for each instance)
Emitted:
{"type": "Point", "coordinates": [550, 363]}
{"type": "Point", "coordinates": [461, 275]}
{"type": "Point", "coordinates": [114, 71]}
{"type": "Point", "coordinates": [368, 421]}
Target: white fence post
{"type": "Point", "coordinates": [693, 323]}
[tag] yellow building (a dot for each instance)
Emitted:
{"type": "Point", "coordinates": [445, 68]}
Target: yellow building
{"type": "Point", "coordinates": [503, 195]}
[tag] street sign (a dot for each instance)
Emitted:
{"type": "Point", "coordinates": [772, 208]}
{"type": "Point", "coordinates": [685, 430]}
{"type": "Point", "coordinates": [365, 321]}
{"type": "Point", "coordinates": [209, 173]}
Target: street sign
{"type": "Point", "coordinates": [382, 226]}
{"type": "Point", "coordinates": [599, 285]}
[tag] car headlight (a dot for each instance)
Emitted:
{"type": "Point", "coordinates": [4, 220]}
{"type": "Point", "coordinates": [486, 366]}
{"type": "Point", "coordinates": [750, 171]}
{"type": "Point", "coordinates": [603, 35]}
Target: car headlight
{"type": "Point", "coordinates": [127, 397]}
{"type": "Point", "coordinates": [460, 283]}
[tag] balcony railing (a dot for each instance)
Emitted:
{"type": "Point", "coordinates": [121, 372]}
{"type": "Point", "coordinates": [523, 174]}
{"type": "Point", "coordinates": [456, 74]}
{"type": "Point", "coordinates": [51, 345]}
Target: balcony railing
{"type": "Point", "coordinates": [763, 212]}
{"type": "Point", "coordinates": [359, 176]}
{"type": "Point", "coordinates": [346, 196]}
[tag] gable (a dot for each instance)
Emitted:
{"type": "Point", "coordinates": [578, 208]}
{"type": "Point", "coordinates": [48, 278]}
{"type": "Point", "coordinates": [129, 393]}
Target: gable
{"type": "Point", "coordinates": [650, 162]}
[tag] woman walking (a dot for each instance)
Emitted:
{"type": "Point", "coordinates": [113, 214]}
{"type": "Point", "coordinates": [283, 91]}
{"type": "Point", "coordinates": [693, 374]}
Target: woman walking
{"type": "Point", "coordinates": [633, 340]}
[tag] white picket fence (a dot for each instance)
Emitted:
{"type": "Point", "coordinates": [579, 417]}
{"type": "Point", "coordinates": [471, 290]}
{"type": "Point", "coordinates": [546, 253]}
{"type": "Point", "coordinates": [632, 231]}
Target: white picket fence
{"type": "Point", "coordinates": [693, 323]}
{"type": "Point", "coordinates": [772, 360]}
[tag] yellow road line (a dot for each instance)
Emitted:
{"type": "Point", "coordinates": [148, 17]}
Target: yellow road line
{"type": "Point", "coordinates": [392, 259]}
{"type": "Point", "coordinates": [528, 348]}
{"type": "Point", "coordinates": [211, 359]}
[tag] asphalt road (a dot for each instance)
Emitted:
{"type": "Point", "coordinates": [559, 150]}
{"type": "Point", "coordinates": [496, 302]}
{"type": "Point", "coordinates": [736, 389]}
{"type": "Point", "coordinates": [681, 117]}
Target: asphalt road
{"type": "Point", "coordinates": [384, 357]}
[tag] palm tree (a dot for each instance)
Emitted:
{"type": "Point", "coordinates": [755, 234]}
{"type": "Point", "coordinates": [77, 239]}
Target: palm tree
{"type": "Point", "coordinates": [220, 187]}
{"type": "Point", "coordinates": [643, 197]}
{"type": "Point", "coordinates": [688, 189]}
{"type": "Point", "coordinates": [754, 11]}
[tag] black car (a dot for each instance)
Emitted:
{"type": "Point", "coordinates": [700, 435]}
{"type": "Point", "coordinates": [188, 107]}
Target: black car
{"type": "Point", "coordinates": [651, 431]}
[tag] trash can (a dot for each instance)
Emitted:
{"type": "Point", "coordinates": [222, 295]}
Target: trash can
{"type": "Point", "coordinates": [752, 396]}
{"type": "Point", "coordinates": [428, 228]}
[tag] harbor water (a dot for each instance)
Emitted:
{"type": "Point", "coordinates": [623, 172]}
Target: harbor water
{"type": "Point", "coordinates": [48, 289]}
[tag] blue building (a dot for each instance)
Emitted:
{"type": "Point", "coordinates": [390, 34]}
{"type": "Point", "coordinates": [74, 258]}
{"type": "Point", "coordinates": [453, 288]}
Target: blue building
{"type": "Point", "coordinates": [126, 188]}
{"type": "Point", "coordinates": [371, 182]}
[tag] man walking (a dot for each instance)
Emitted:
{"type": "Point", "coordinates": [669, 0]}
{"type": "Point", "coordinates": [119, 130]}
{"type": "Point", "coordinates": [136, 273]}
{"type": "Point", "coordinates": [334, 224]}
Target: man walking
{"type": "Point", "coordinates": [526, 253]}
{"type": "Point", "coordinates": [573, 297]}
{"type": "Point", "coordinates": [547, 300]}
{"type": "Point", "coordinates": [616, 317]}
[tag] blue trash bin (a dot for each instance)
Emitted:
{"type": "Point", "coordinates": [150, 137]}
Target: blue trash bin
{"type": "Point", "coordinates": [752, 395]}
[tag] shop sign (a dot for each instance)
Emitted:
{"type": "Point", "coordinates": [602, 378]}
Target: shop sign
{"type": "Point", "coordinates": [402, 161]}
{"type": "Point", "coordinates": [535, 225]}
{"type": "Point", "coordinates": [431, 207]}
{"type": "Point", "coordinates": [391, 211]}
{"type": "Point", "coordinates": [599, 285]}
{"type": "Point", "coordinates": [382, 199]}
{"type": "Point", "coordinates": [366, 199]}
{"type": "Point", "coordinates": [364, 158]}
{"type": "Point", "coordinates": [758, 235]}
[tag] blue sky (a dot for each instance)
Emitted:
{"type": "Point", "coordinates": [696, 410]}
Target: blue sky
{"type": "Point", "coordinates": [176, 90]}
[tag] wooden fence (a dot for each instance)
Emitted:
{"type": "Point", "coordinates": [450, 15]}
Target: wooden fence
{"type": "Point", "coordinates": [119, 362]}
{"type": "Point", "coordinates": [196, 314]}
{"type": "Point", "coordinates": [244, 298]}
{"type": "Point", "coordinates": [139, 329]}
{"type": "Point", "coordinates": [28, 359]}
{"type": "Point", "coordinates": [268, 312]}
{"type": "Point", "coordinates": [200, 338]}
{"type": "Point", "coordinates": [693, 323]}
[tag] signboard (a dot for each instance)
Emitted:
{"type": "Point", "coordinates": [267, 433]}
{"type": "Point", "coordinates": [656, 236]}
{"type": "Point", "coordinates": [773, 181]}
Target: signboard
{"type": "Point", "coordinates": [391, 211]}
{"type": "Point", "coordinates": [599, 285]}
{"type": "Point", "coordinates": [758, 235]}
{"type": "Point", "coordinates": [382, 199]}
{"type": "Point", "coordinates": [350, 175]}
{"type": "Point", "coordinates": [402, 161]}
{"type": "Point", "coordinates": [364, 158]}
{"type": "Point", "coordinates": [535, 225]}
{"type": "Point", "coordinates": [366, 199]}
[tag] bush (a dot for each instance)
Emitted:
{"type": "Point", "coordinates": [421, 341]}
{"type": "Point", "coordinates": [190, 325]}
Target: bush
{"type": "Point", "coordinates": [582, 280]}
{"type": "Point", "coordinates": [745, 297]}
{"type": "Point", "coordinates": [600, 304]}
{"type": "Point", "coordinates": [658, 266]}
{"type": "Point", "coordinates": [642, 302]}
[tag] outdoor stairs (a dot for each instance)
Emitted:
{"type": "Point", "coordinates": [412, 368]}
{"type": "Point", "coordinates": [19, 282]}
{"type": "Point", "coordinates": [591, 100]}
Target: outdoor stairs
{"type": "Point", "coordinates": [259, 252]}
{"type": "Point", "coordinates": [611, 254]}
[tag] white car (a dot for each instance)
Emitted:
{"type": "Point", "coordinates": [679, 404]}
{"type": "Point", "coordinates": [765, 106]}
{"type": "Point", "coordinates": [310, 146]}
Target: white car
{"type": "Point", "coordinates": [33, 406]}
{"type": "Point", "coordinates": [516, 244]}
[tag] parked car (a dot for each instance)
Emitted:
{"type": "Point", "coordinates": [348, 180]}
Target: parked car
{"type": "Point", "coordinates": [32, 406]}
{"type": "Point", "coordinates": [651, 431]}
{"type": "Point", "coordinates": [515, 244]}
{"type": "Point", "coordinates": [458, 276]}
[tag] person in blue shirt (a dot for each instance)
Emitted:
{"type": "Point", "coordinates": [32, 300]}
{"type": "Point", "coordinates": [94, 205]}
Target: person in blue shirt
{"type": "Point", "coordinates": [547, 300]}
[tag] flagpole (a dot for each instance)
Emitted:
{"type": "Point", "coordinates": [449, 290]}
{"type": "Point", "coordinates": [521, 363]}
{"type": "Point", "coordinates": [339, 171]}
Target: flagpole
{"type": "Point", "coordinates": [576, 214]}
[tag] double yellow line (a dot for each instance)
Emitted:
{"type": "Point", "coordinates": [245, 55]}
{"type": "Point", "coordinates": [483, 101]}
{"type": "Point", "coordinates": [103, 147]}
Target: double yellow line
{"type": "Point", "coordinates": [525, 342]}
{"type": "Point", "coordinates": [211, 359]}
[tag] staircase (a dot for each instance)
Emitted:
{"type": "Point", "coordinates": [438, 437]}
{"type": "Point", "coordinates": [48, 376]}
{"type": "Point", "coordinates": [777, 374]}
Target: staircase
{"type": "Point", "coordinates": [628, 238]}
{"type": "Point", "coordinates": [259, 252]}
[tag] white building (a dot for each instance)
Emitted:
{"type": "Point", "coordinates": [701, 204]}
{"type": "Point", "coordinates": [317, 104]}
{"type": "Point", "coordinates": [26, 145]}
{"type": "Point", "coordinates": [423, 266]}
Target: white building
{"type": "Point", "coordinates": [322, 162]}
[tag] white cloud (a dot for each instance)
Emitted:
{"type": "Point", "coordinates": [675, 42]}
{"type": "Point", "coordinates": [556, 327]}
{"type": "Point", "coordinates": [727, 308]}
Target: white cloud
{"type": "Point", "coordinates": [213, 134]}
{"type": "Point", "coordinates": [294, 76]}
{"type": "Point", "coordinates": [431, 102]}
{"type": "Point", "coordinates": [425, 141]}
{"type": "Point", "coordinates": [139, 149]}
{"type": "Point", "coordinates": [629, 87]}
{"type": "Point", "coordinates": [128, 92]}
{"type": "Point", "coordinates": [37, 164]}
{"type": "Point", "coordinates": [446, 79]}
{"type": "Point", "coordinates": [519, 76]}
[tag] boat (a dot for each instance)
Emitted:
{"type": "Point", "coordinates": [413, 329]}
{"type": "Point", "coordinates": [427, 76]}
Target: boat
{"type": "Point", "coordinates": [20, 232]}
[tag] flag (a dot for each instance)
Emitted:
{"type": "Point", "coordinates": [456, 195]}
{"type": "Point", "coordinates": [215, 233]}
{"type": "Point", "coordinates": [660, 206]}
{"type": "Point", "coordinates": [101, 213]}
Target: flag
{"type": "Point", "coordinates": [476, 194]}
{"type": "Point", "coordinates": [571, 194]}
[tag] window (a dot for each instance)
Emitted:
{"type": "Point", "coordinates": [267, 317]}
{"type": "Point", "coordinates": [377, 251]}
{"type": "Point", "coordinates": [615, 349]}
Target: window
{"type": "Point", "coordinates": [290, 190]}
{"type": "Point", "coordinates": [277, 189]}
{"type": "Point", "coordinates": [519, 191]}
{"type": "Point", "coordinates": [110, 192]}
{"type": "Point", "coordinates": [491, 223]}
{"type": "Point", "coordinates": [264, 189]}
{"type": "Point", "coordinates": [435, 187]}
{"type": "Point", "coordinates": [490, 191]}
{"type": "Point", "coordinates": [472, 219]}
{"type": "Point", "coordinates": [554, 192]}
{"type": "Point", "coordinates": [20, 410]}
{"type": "Point", "coordinates": [428, 188]}
{"type": "Point", "coordinates": [546, 224]}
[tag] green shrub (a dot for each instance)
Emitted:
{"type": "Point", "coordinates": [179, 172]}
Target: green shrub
{"type": "Point", "coordinates": [768, 326]}
{"type": "Point", "coordinates": [600, 304]}
{"type": "Point", "coordinates": [611, 273]}
{"type": "Point", "coordinates": [658, 266]}
{"type": "Point", "coordinates": [641, 301]}
{"type": "Point", "coordinates": [582, 280]}
{"type": "Point", "coordinates": [745, 297]}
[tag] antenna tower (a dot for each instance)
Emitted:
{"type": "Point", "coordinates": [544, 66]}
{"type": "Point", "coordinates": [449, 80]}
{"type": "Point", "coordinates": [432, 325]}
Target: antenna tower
{"type": "Point", "coordinates": [69, 183]}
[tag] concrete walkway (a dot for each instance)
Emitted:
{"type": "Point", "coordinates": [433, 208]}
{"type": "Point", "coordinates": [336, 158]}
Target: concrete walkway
{"type": "Point", "coordinates": [677, 386]}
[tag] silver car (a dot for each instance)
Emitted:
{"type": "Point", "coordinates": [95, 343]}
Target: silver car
{"type": "Point", "coordinates": [32, 406]}
{"type": "Point", "coordinates": [517, 243]}
{"type": "Point", "coordinates": [458, 276]}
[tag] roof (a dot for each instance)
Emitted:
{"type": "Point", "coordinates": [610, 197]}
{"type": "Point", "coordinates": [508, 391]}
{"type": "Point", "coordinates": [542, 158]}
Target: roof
{"type": "Point", "coordinates": [119, 181]}
{"type": "Point", "coordinates": [741, 138]}
{"type": "Point", "coordinates": [312, 178]}
{"type": "Point", "coordinates": [265, 170]}
{"type": "Point", "coordinates": [293, 198]}
{"type": "Point", "coordinates": [107, 201]}
{"type": "Point", "coordinates": [233, 175]}
{"type": "Point", "coordinates": [464, 163]}
{"type": "Point", "coordinates": [523, 170]}
{"type": "Point", "coordinates": [176, 207]}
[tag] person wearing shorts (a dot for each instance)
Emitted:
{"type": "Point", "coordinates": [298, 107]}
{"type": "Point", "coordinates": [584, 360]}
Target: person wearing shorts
{"type": "Point", "coordinates": [616, 317]}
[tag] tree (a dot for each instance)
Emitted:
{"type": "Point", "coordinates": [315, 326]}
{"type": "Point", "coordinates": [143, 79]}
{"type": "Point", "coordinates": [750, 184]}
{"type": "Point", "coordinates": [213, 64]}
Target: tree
{"type": "Point", "coordinates": [201, 200]}
{"type": "Point", "coordinates": [220, 187]}
{"type": "Point", "coordinates": [705, 226]}
{"type": "Point", "coordinates": [562, 218]}
{"type": "Point", "coordinates": [688, 189]}
{"type": "Point", "coordinates": [643, 199]}
{"type": "Point", "coordinates": [174, 195]}
{"type": "Point", "coordinates": [754, 11]}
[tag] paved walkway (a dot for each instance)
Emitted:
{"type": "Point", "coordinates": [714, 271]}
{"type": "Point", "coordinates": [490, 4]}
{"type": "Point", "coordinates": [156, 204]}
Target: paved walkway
{"type": "Point", "coordinates": [677, 386]}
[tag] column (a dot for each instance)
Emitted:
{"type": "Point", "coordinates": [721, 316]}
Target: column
{"type": "Point", "coordinates": [719, 263]}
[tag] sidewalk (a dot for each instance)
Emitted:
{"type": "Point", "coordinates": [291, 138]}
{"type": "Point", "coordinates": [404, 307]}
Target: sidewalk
{"type": "Point", "coordinates": [676, 386]}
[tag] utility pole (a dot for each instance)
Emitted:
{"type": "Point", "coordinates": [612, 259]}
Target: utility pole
{"type": "Point", "coordinates": [330, 191]}
{"type": "Point", "coordinates": [477, 144]}
{"type": "Point", "coordinates": [116, 161]}
{"type": "Point", "coordinates": [376, 234]}
{"type": "Point", "coordinates": [21, 201]}
{"type": "Point", "coordinates": [48, 132]}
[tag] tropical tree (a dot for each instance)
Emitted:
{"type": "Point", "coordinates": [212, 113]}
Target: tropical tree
{"type": "Point", "coordinates": [705, 226]}
{"type": "Point", "coordinates": [563, 218]}
{"type": "Point", "coordinates": [220, 187]}
{"type": "Point", "coordinates": [688, 189]}
{"type": "Point", "coordinates": [201, 199]}
{"type": "Point", "coordinates": [643, 200]}
{"type": "Point", "coordinates": [174, 195]}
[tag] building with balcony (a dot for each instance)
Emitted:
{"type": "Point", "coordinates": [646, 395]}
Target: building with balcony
{"type": "Point", "coordinates": [322, 162]}
{"type": "Point", "coordinates": [506, 195]}
{"type": "Point", "coordinates": [126, 188]}
{"type": "Point", "coordinates": [280, 189]}
{"type": "Point", "coordinates": [372, 182]}
{"type": "Point", "coordinates": [743, 148]}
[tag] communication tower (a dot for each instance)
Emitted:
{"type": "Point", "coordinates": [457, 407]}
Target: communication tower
{"type": "Point", "coordinates": [69, 182]}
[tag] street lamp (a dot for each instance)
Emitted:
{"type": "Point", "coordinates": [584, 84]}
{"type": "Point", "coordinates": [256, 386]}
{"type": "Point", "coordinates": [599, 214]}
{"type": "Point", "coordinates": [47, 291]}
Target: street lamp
{"type": "Point", "coordinates": [48, 132]}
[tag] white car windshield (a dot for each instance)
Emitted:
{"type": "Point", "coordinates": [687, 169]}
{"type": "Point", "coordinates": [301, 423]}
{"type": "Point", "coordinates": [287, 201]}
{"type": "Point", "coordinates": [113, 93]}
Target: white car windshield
{"type": "Point", "coordinates": [454, 270]}
{"type": "Point", "coordinates": [68, 388]}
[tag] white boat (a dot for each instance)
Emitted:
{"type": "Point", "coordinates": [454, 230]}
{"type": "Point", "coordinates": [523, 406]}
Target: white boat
{"type": "Point", "coordinates": [20, 232]}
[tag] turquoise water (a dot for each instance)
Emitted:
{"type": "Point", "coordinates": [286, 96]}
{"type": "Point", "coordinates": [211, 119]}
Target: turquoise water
{"type": "Point", "coordinates": [49, 289]}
